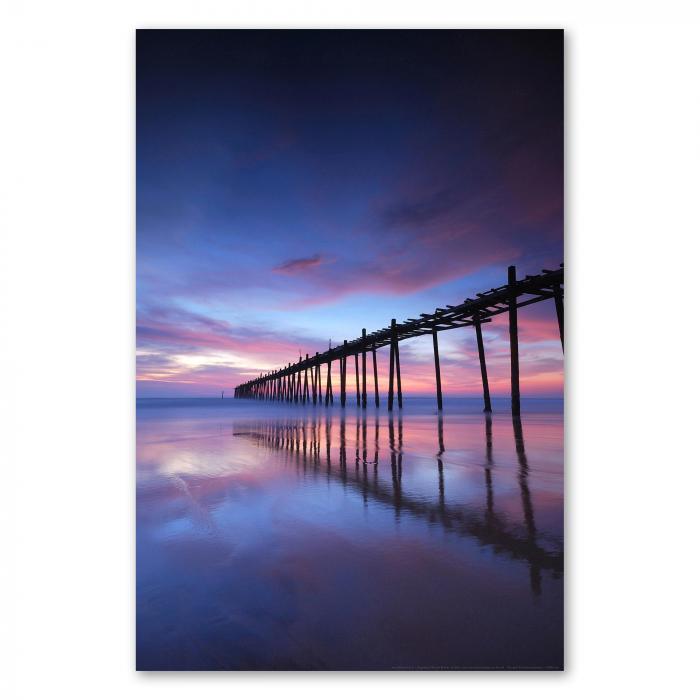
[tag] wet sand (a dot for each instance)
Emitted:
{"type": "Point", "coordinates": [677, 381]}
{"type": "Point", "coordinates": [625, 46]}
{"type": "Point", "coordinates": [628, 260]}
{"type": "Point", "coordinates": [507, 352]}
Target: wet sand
{"type": "Point", "coordinates": [278, 537]}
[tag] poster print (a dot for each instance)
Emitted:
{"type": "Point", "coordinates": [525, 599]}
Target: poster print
{"type": "Point", "coordinates": [350, 341]}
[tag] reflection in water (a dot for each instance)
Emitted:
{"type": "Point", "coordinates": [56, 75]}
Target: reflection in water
{"type": "Point", "coordinates": [302, 538]}
{"type": "Point", "coordinates": [491, 529]}
{"type": "Point", "coordinates": [528, 511]}
{"type": "Point", "coordinates": [489, 464]}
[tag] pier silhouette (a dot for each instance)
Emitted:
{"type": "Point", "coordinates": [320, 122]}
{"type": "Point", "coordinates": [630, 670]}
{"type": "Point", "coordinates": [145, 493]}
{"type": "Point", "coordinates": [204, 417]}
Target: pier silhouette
{"type": "Point", "coordinates": [301, 382]}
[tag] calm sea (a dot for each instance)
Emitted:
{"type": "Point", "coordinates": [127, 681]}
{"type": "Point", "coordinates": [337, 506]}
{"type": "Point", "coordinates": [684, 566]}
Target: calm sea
{"type": "Point", "coordinates": [283, 537]}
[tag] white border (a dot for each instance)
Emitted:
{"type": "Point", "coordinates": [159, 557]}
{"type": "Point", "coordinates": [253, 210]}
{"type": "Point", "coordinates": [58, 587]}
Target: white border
{"type": "Point", "coordinates": [66, 338]}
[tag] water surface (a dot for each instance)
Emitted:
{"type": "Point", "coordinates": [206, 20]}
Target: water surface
{"type": "Point", "coordinates": [283, 537]}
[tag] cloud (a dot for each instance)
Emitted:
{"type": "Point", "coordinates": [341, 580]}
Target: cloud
{"type": "Point", "coordinates": [423, 211]}
{"type": "Point", "coordinates": [183, 353]}
{"type": "Point", "coordinates": [292, 267]}
{"type": "Point", "coordinates": [179, 332]}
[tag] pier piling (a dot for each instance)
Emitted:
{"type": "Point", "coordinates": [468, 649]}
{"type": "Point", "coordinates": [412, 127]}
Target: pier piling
{"type": "Point", "coordinates": [343, 363]}
{"type": "Point", "coordinates": [306, 380]}
{"type": "Point", "coordinates": [376, 384]}
{"type": "Point", "coordinates": [513, 333]}
{"type": "Point", "coordinates": [559, 305]}
{"type": "Point", "coordinates": [438, 383]}
{"type": "Point", "coordinates": [390, 396]}
{"type": "Point", "coordinates": [364, 369]}
{"type": "Point", "coordinates": [482, 365]}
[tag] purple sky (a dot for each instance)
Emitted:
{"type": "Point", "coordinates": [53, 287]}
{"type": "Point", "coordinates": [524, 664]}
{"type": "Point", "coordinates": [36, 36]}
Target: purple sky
{"type": "Point", "coordinates": [296, 186]}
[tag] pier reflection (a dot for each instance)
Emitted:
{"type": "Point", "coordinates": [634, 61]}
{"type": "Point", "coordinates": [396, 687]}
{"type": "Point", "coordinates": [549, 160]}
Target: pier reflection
{"type": "Point", "coordinates": [376, 472]}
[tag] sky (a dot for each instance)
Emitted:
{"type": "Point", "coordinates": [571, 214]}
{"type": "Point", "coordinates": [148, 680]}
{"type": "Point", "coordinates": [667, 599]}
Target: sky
{"type": "Point", "coordinates": [294, 187]}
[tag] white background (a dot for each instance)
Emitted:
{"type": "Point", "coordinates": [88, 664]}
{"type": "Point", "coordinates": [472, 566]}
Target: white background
{"type": "Point", "coordinates": [66, 345]}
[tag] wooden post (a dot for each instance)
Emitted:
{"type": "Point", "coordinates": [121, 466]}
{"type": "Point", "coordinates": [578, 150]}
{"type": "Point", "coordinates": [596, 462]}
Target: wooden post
{"type": "Point", "coordinates": [364, 369]}
{"type": "Point", "coordinates": [328, 383]}
{"type": "Point", "coordinates": [390, 397]}
{"type": "Point", "coordinates": [313, 383]}
{"type": "Point", "coordinates": [399, 395]}
{"type": "Point", "coordinates": [559, 304]}
{"type": "Point", "coordinates": [318, 378]}
{"type": "Point", "coordinates": [482, 364]}
{"type": "Point", "coordinates": [376, 384]}
{"type": "Point", "coordinates": [438, 383]}
{"type": "Point", "coordinates": [306, 380]}
{"type": "Point", "coordinates": [299, 384]}
{"type": "Point", "coordinates": [513, 329]}
{"type": "Point", "coordinates": [343, 362]}
{"type": "Point", "coordinates": [357, 381]}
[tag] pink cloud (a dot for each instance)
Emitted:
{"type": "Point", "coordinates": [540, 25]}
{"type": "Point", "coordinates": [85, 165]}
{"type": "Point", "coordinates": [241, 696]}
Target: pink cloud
{"type": "Point", "coordinates": [291, 267]}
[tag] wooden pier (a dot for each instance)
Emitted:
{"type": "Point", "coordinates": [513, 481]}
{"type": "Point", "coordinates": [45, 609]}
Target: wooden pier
{"type": "Point", "coordinates": [291, 383]}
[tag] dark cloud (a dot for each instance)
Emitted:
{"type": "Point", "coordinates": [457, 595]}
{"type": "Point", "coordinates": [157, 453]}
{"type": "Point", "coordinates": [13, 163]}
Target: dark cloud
{"type": "Point", "coordinates": [292, 267]}
{"type": "Point", "coordinates": [420, 212]}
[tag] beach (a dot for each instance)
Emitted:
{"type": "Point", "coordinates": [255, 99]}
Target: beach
{"type": "Point", "coordinates": [272, 536]}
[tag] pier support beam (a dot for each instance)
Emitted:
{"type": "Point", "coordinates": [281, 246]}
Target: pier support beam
{"type": "Point", "coordinates": [357, 381]}
{"type": "Point", "coordinates": [390, 397]}
{"type": "Point", "coordinates": [438, 383]}
{"type": "Point", "coordinates": [559, 304]}
{"type": "Point", "coordinates": [317, 370]}
{"type": "Point", "coordinates": [513, 331]}
{"type": "Point", "coordinates": [399, 395]}
{"type": "Point", "coordinates": [329, 385]}
{"type": "Point", "coordinates": [364, 369]}
{"type": "Point", "coordinates": [343, 363]}
{"type": "Point", "coordinates": [482, 364]}
{"type": "Point", "coordinates": [319, 381]}
{"type": "Point", "coordinates": [306, 381]}
{"type": "Point", "coordinates": [376, 383]}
